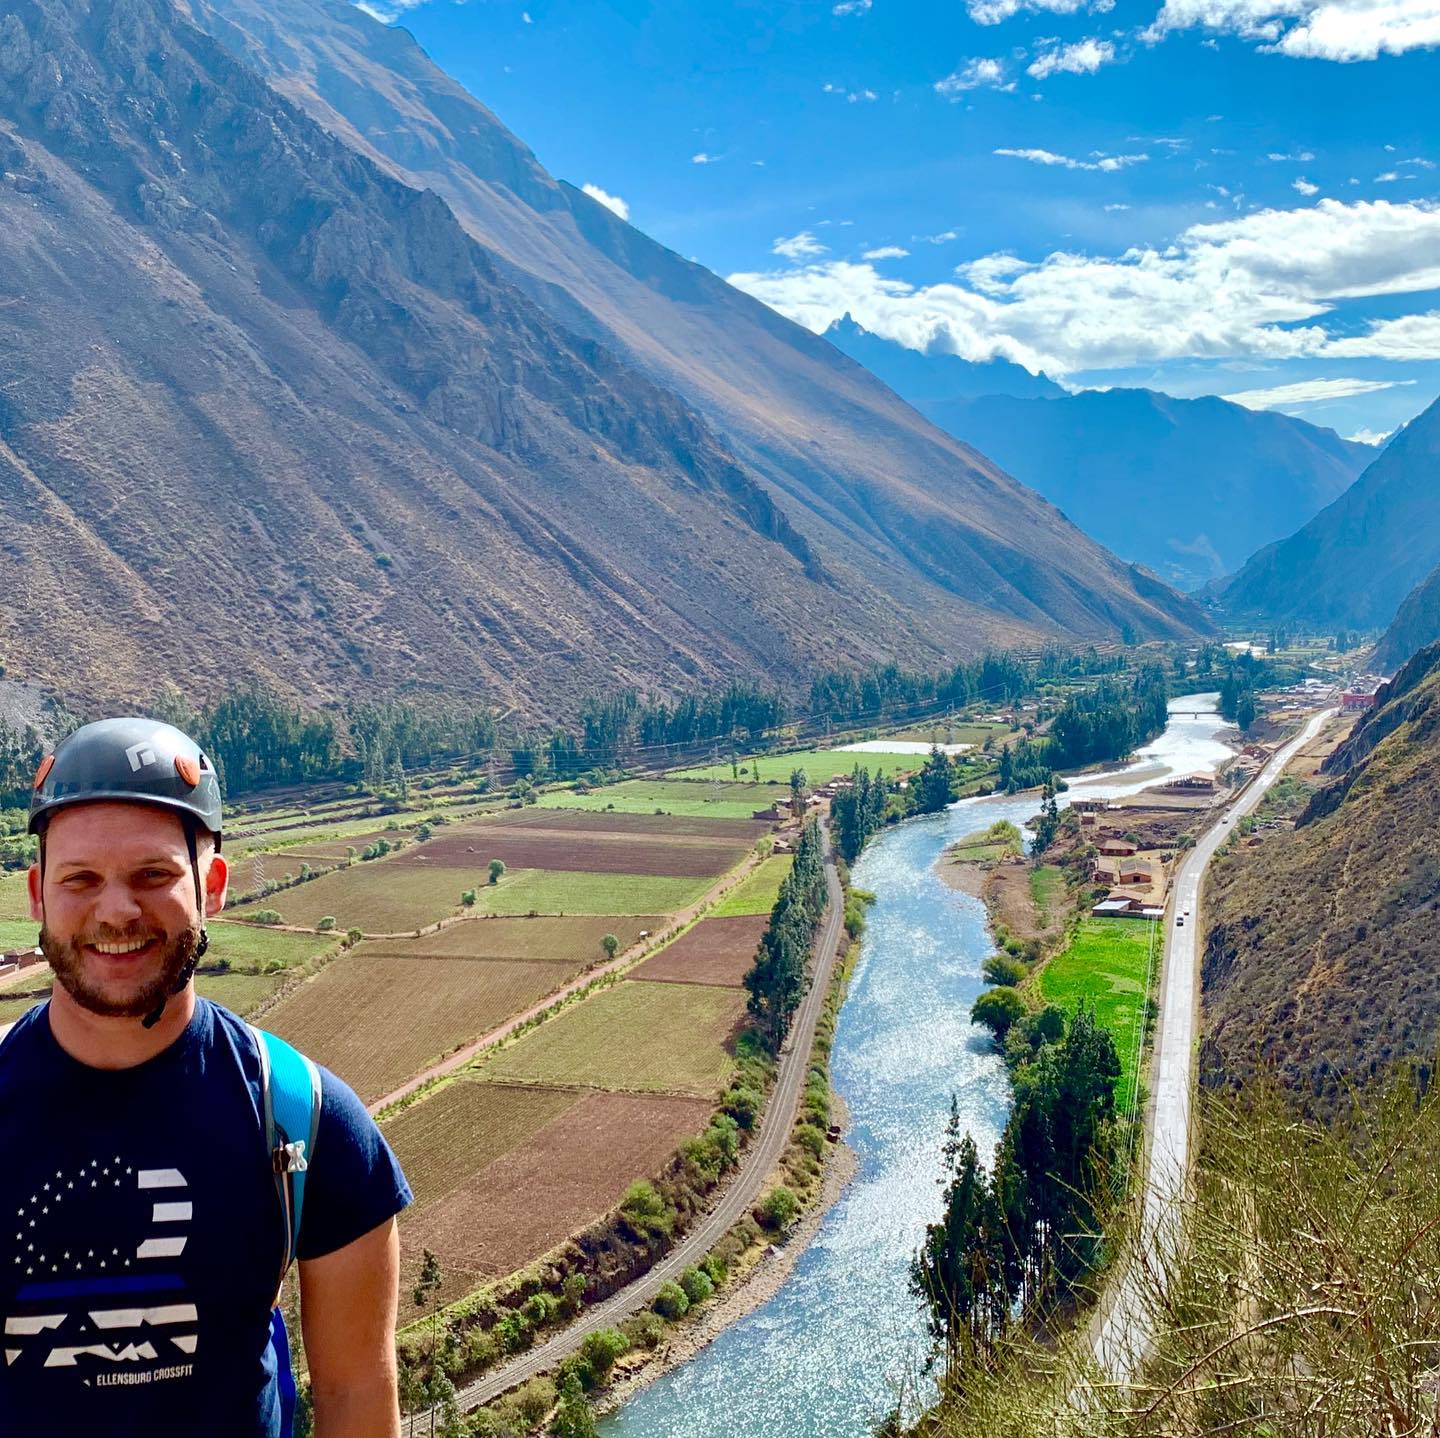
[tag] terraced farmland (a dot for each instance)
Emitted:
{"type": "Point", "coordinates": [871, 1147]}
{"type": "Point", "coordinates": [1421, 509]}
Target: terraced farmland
{"type": "Point", "coordinates": [378, 898]}
{"type": "Point", "coordinates": [378, 1020]}
{"type": "Point", "coordinates": [548, 891]}
{"type": "Point", "coordinates": [472, 847]}
{"type": "Point", "coordinates": [758, 891]}
{"type": "Point", "coordinates": [646, 796]}
{"type": "Point", "coordinates": [742, 831]}
{"type": "Point", "coordinates": [567, 940]}
{"type": "Point", "coordinates": [714, 951]}
{"type": "Point", "coordinates": [820, 765]}
{"type": "Point", "coordinates": [638, 1037]}
{"type": "Point", "coordinates": [570, 1171]}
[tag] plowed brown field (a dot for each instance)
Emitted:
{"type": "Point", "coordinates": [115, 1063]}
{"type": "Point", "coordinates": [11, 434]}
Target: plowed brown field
{"type": "Point", "coordinates": [520, 1205]}
{"type": "Point", "coordinates": [567, 940]}
{"type": "Point", "coordinates": [587, 821]}
{"type": "Point", "coordinates": [376, 1020]}
{"type": "Point", "coordinates": [715, 951]}
{"type": "Point", "coordinates": [471, 849]}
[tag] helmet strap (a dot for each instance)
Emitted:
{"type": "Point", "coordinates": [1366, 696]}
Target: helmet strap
{"type": "Point", "coordinates": [188, 972]}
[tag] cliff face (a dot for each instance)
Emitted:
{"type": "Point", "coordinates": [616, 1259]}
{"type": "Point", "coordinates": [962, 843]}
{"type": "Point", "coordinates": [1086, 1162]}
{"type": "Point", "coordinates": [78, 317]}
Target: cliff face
{"type": "Point", "coordinates": [268, 411]}
{"type": "Point", "coordinates": [1416, 624]}
{"type": "Point", "coordinates": [1322, 960]}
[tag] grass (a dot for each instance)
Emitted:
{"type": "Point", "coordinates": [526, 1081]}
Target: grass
{"type": "Point", "coordinates": [556, 891]}
{"type": "Point", "coordinates": [376, 897]}
{"type": "Point", "coordinates": [658, 1038]}
{"type": "Point", "coordinates": [238, 992]}
{"type": "Point", "coordinates": [1047, 888]}
{"type": "Point", "coordinates": [14, 898]}
{"type": "Point", "coordinates": [819, 766]}
{"type": "Point", "coordinates": [1105, 966]}
{"type": "Point", "coordinates": [975, 734]}
{"type": "Point", "coordinates": [250, 948]}
{"type": "Point", "coordinates": [1000, 841]}
{"type": "Point", "coordinates": [756, 894]}
{"type": "Point", "coordinates": [18, 934]}
{"type": "Point", "coordinates": [645, 796]}
{"type": "Point", "coordinates": [569, 940]}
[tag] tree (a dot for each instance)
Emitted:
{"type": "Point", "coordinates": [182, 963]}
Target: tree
{"type": "Point", "coordinates": [997, 1009]}
{"type": "Point", "coordinates": [469, 897]}
{"type": "Point", "coordinates": [573, 1418]}
{"type": "Point", "coordinates": [935, 786]}
{"type": "Point", "coordinates": [1002, 969]}
{"type": "Point", "coordinates": [1245, 710]}
{"type": "Point", "coordinates": [611, 945]}
{"type": "Point", "coordinates": [497, 867]}
{"type": "Point", "coordinates": [779, 1209]}
{"type": "Point", "coordinates": [671, 1301]}
{"type": "Point", "coordinates": [326, 924]}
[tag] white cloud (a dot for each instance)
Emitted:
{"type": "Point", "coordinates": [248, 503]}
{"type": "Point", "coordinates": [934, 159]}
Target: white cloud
{"type": "Point", "coordinates": [1084, 57]}
{"type": "Point", "coordinates": [1310, 391]}
{"type": "Point", "coordinates": [1300, 157]}
{"type": "Point", "coordinates": [1342, 30]}
{"type": "Point", "coordinates": [1305, 187]}
{"type": "Point", "coordinates": [943, 238]}
{"type": "Point", "coordinates": [803, 246]}
{"type": "Point", "coordinates": [851, 7]}
{"type": "Point", "coordinates": [611, 202]}
{"type": "Point", "coordinates": [973, 75]}
{"type": "Point", "coordinates": [1099, 162]}
{"type": "Point", "coordinates": [887, 252]}
{"type": "Point", "coordinates": [701, 158]}
{"type": "Point", "coordinates": [1258, 286]}
{"type": "Point", "coordinates": [1370, 436]}
{"type": "Point", "coordinates": [525, 18]}
{"type": "Point", "coordinates": [1115, 209]}
{"type": "Point", "coordinates": [992, 12]}
{"type": "Point", "coordinates": [1388, 178]}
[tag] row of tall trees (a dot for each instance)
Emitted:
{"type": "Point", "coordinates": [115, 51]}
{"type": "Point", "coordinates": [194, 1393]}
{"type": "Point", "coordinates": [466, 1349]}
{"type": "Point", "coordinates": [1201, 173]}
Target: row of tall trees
{"type": "Point", "coordinates": [776, 981]}
{"type": "Point", "coordinates": [1016, 1238]}
{"type": "Point", "coordinates": [857, 812]}
{"type": "Point", "coordinates": [1110, 719]}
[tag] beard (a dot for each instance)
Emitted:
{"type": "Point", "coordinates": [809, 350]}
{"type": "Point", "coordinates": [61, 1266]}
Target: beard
{"type": "Point", "coordinates": [133, 1001]}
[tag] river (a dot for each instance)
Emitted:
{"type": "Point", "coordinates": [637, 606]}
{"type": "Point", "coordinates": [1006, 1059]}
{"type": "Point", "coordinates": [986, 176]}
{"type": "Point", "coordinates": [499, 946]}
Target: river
{"type": "Point", "coordinates": [837, 1347]}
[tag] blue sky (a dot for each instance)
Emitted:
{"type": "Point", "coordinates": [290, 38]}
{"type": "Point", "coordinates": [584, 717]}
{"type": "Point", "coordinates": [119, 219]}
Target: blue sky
{"type": "Point", "coordinates": [1205, 196]}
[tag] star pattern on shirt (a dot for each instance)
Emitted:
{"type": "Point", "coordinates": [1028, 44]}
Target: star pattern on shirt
{"type": "Point", "coordinates": [31, 1257]}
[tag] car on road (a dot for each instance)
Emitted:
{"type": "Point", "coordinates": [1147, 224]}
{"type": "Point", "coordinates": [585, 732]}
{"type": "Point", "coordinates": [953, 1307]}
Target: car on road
{"type": "Point", "coordinates": [1180, 921]}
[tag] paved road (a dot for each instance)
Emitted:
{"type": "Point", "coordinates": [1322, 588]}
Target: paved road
{"type": "Point", "coordinates": [737, 1199]}
{"type": "Point", "coordinates": [1122, 1337]}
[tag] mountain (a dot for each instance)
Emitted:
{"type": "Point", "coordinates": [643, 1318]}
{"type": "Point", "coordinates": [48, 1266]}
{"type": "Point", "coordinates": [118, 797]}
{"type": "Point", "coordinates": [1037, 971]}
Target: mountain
{"type": "Point", "coordinates": [925, 377]}
{"type": "Point", "coordinates": [1323, 956]}
{"type": "Point", "coordinates": [1355, 561]}
{"type": "Point", "coordinates": [1416, 624]}
{"type": "Point", "coordinates": [962, 553]}
{"type": "Point", "coordinates": [1189, 487]}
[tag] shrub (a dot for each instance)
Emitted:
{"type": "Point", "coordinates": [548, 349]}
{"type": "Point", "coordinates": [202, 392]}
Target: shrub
{"type": "Point", "coordinates": [497, 867]}
{"type": "Point", "coordinates": [611, 945]}
{"type": "Point", "coordinates": [646, 1211]}
{"type": "Point", "coordinates": [468, 898]}
{"type": "Point", "coordinates": [997, 1009]}
{"type": "Point", "coordinates": [353, 937]}
{"type": "Point", "coordinates": [602, 1348]}
{"type": "Point", "coordinates": [1003, 969]}
{"type": "Point", "coordinates": [671, 1301]}
{"type": "Point", "coordinates": [265, 916]}
{"type": "Point", "coordinates": [644, 1330]}
{"type": "Point", "coordinates": [325, 924]}
{"type": "Point", "coordinates": [697, 1285]}
{"type": "Point", "coordinates": [779, 1209]}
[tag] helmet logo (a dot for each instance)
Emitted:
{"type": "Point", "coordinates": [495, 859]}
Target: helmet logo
{"type": "Point", "coordinates": [187, 769]}
{"type": "Point", "coordinates": [139, 756]}
{"type": "Point", "coordinates": [43, 772]}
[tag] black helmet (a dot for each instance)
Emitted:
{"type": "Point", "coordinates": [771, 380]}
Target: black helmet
{"type": "Point", "coordinates": [138, 761]}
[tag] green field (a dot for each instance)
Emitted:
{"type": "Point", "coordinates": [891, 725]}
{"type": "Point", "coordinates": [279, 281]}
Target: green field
{"type": "Point", "coordinates": [820, 766]}
{"type": "Point", "coordinates": [999, 841]}
{"type": "Point", "coordinates": [1106, 966]}
{"type": "Point", "coordinates": [756, 894]}
{"type": "Point", "coordinates": [238, 992]}
{"type": "Point", "coordinates": [14, 897]}
{"type": "Point", "coordinates": [558, 891]}
{"type": "Point", "coordinates": [637, 1037]}
{"type": "Point", "coordinates": [696, 801]}
{"type": "Point", "coordinates": [249, 947]}
{"type": "Point", "coordinates": [975, 734]}
{"type": "Point", "coordinates": [1047, 888]}
{"type": "Point", "coordinates": [377, 897]}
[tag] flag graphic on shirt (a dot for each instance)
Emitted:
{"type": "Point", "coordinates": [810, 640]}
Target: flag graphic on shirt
{"type": "Point", "coordinates": [102, 1301]}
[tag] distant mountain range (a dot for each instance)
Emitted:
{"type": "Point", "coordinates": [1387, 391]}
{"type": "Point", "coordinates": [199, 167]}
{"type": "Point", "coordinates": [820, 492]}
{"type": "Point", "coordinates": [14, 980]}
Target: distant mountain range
{"type": "Point", "coordinates": [1354, 563]}
{"type": "Point", "coordinates": [1322, 961]}
{"type": "Point", "coordinates": [1189, 487]}
{"type": "Point", "coordinates": [314, 377]}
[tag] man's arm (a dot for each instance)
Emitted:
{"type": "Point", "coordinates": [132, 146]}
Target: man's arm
{"type": "Point", "coordinates": [347, 1309]}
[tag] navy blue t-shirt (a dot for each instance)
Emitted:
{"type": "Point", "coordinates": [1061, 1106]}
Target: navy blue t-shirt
{"type": "Point", "coordinates": [142, 1235]}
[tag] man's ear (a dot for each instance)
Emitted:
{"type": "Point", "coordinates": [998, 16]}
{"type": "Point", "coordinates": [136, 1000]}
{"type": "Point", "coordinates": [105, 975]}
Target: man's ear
{"type": "Point", "coordinates": [217, 881]}
{"type": "Point", "coordinates": [32, 886]}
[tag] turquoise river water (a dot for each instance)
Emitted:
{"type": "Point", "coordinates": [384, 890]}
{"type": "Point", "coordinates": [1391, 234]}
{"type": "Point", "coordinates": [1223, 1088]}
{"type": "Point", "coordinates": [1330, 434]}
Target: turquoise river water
{"type": "Point", "coordinates": [843, 1342]}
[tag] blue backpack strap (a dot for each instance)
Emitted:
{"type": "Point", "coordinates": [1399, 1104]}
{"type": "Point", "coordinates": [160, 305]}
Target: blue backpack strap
{"type": "Point", "coordinates": [290, 1085]}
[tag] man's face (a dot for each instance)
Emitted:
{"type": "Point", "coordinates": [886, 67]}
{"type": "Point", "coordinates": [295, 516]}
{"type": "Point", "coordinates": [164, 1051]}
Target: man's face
{"type": "Point", "coordinates": [118, 913]}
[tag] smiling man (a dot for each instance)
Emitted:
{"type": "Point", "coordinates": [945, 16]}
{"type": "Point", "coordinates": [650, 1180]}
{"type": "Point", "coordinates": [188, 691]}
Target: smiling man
{"type": "Point", "coordinates": [145, 1233]}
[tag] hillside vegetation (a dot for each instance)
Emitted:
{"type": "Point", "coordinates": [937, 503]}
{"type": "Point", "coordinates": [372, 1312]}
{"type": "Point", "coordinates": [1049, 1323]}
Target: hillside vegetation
{"type": "Point", "coordinates": [1322, 961]}
{"type": "Point", "coordinates": [1416, 624]}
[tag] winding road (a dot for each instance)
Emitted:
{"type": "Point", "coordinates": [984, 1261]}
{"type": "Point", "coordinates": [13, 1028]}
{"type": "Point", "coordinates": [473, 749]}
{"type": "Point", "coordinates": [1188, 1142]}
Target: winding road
{"type": "Point", "coordinates": [736, 1199]}
{"type": "Point", "coordinates": [1121, 1337]}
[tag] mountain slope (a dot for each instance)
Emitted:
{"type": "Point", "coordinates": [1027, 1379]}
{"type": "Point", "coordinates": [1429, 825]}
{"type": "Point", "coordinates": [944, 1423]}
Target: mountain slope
{"type": "Point", "coordinates": [1353, 564]}
{"type": "Point", "coordinates": [842, 454]}
{"type": "Point", "coordinates": [1323, 956]}
{"type": "Point", "coordinates": [1190, 487]}
{"type": "Point", "coordinates": [270, 413]}
{"type": "Point", "coordinates": [1416, 624]}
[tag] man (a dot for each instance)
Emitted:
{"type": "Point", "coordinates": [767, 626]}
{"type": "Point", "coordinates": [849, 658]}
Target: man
{"type": "Point", "coordinates": [143, 1234]}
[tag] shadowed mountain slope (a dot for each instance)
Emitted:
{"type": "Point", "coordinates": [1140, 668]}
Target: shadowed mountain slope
{"type": "Point", "coordinates": [1416, 624]}
{"type": "Point", "coordinates": [847, 460]}
{"type": "Point", "coordinates": [1323, 956]}
{"type": "Point", "coordinates": [1354, 563]}
{"type": "Point", "coordinates": [1190, 487]}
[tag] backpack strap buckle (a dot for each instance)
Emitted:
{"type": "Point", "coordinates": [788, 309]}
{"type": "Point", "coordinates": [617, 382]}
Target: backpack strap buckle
{"type": "Point", "coordinates": [289, 1158]}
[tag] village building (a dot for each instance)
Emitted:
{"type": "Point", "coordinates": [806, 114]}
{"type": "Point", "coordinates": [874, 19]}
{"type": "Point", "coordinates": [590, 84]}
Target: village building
{"type": "Point", "coordinates": [1114, 847]}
